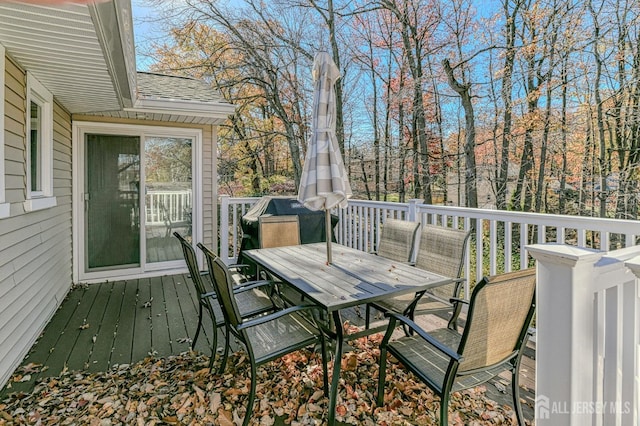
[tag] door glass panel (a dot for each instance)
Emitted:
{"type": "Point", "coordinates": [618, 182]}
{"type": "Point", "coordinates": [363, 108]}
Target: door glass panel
{"type": "Point", "coordinates": [112, 200]}
{"type": "Point", "coordinates": [168, 196]}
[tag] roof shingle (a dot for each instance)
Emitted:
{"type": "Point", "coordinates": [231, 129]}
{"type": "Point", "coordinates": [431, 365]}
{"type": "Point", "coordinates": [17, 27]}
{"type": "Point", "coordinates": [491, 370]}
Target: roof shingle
{"type": "Point", "coordinates": [169, 87]}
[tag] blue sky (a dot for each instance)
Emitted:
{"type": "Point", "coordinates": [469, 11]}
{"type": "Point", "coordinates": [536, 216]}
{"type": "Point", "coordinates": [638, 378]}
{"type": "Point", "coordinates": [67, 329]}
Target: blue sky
{"type": "Point", "coordinates": [144, 31]}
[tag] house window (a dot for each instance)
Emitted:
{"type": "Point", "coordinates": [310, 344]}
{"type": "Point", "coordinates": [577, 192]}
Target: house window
{"type": "Point", "coordinates": [4, 206]}
{"type": "Point", "coordinates": [39, 146]}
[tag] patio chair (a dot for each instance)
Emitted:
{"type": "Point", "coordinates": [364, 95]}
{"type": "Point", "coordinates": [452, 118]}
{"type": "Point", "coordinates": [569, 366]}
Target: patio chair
{"type": "Point", "coordinates": [278, 231]}
{"type": "Point", "coordinates": [266, 337]}
{"type": "Point", "coordinates": [397, 240]}
{"type": "Point", "coordinates": [493, 340]}
{"type": "Point", "coordinates": [441, 250]}
{"type": "Point", "coordinates": [253, 302]}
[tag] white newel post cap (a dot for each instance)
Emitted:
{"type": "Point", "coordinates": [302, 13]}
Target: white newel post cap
{"type": "Point", "coordinates": [634, 265]}
{"type": "Point", "coordinates": [564, 335]}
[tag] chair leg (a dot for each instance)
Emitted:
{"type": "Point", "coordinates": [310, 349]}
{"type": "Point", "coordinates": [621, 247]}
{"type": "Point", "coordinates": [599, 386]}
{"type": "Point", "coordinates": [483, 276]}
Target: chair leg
{"type": "Point", "coordinates": [444, 408]}
{"type": "Point", "coordinates": [453, 324]}
{"type": "Point", "coordinates": [225, 355]}
{"type": "Point", "coordinates": [214, 347]}
{"type": "Point", "coordinates": [252, 394]}
{"type": "Point", "coordinates": [381, 375]}
{"type": "Point", "coordinates": [515, 390]}
{"type": "Point", "coordinates": [195, 338]}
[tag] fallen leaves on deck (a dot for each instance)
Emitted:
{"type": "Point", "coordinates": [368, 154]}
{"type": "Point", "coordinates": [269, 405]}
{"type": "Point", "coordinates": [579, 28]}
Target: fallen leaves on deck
{"type": "Point", "coordinates": [179, 390]}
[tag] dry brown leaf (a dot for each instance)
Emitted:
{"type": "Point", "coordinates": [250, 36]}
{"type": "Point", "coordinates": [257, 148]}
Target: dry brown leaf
{"type": "Point", "coordinates": [181, 390]}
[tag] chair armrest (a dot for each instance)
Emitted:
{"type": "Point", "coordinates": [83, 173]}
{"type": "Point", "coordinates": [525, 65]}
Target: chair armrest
{"type": "Point", "coordinates": [238, 266]}
{"type": "Point", "coordinates": [250, 285]}
{"type": "Point", "coordinates": [423, 334]}
{"type": "Point", "coordinates": [455, 300]}
{"type": "Point", "coordinates": [457, 303]}
{"type": "Point", "coordinates": [270, 317]}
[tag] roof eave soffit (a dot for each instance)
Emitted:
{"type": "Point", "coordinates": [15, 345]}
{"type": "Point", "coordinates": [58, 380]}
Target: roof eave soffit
{"type": "Point", "coordinates": [114, 28]}
{"type": "Point", "coordinates": [218, 111]}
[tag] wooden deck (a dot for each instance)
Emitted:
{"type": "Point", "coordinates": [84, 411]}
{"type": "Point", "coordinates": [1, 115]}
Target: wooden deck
{"type": "Point", "coordinates": [119, 322]}
{"type": "Point", "coordinates": [122, 322]}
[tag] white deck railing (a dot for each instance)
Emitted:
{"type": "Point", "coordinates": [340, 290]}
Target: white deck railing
{"type": "Point", "coordinates": [588, 300]}
{"type": "Point", "coordinates": [164, 207]}
{"type": "Point", "coordinates": [588, 336]}
{"type": "Point", "coordinates": [500, 236]}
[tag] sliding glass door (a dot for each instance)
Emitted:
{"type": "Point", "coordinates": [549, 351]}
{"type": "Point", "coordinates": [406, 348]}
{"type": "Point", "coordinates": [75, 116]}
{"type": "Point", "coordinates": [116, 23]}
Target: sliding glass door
{"type": "Point", "coordinates": [137, 190]}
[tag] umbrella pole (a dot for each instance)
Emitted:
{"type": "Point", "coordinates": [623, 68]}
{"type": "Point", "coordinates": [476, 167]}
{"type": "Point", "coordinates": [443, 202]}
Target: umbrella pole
{"type": "Point", "coordinates": [327, 227]}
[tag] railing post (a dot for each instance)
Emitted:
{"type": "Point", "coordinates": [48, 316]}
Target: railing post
{"type": "Point", "coordinates": [565, 333]}
{"type": "Point", "coordinates": [634, 394]}
{"type": "Point", "coordinates": [224, 227]}
{"type": "Point", "coordinates": [412, 214]}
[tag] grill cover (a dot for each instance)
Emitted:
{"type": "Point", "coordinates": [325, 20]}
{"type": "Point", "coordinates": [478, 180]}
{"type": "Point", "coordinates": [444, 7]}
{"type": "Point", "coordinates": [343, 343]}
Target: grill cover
{"type": "Point", "coordinates": [312, 228]}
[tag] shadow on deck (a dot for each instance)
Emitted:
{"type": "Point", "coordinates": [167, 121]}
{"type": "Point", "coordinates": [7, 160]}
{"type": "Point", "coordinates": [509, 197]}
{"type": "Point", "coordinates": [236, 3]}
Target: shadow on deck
{"type": "Point", "coordinates": [101, 325]}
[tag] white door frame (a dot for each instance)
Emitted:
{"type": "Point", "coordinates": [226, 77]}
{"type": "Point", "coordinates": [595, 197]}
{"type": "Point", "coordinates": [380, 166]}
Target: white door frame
{"type": "Point", "coordinates": [79, 129]}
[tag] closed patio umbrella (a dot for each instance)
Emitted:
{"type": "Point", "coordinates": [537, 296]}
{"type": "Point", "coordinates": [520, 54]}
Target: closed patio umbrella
{"type": "Point", "coordinates": [324, 183]}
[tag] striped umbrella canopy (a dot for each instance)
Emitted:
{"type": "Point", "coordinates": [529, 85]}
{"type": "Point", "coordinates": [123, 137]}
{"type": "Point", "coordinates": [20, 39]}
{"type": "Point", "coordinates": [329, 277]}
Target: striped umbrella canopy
{"type": "Point", "coordinates": [324, 183]}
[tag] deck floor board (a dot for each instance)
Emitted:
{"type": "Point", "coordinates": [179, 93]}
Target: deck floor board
{"type": "Point", "coordinates": [101, 352]}
{"type": "Point", "coordinates": [142, 344]}
{"type": "Point", "coordinates": [176, 322]}
{"type": "Point", "coordinates": [122, 346]}
{"type": "Point", "coordinates": [189, 312]}
{"type": "Point", "coordinates": [160, 332]}
{"type": "Point", "coordinates": [78, 359]}
{"type": "Point", "coordinates": [77, 325]}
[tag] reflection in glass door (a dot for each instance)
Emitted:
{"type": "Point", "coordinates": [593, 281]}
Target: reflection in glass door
{"type": "Point", "coordinates": [168, 196]}
{"type": "Point", "coordinates": [112, 201]}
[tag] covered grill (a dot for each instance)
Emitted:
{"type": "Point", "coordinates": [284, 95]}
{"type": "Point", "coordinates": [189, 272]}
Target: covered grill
{"type": "Point", "coordinates": [312, 223]}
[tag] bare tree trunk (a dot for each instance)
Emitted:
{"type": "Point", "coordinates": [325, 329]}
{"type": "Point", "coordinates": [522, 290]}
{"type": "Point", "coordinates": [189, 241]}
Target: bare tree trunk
{"type": "Point", "coordinates": [239, 129]}
{"type": "Point", "coordinates": [401, 144]}
{"type": "Point", "coordinates": [365, 179]}
{"type": "Point", "coordinates": [440, 133]}
{"type": "Point", "coordinates": [376, 134]}
{"type": "Point", "coordinates": [463, 90]}
{"type": "Point", "coordinates": [507, 99]}
{"type": "Point", "coordinates": [603, 166]}
{"type": "Point", "coordinates": [541, 187]}
{"type": "Point", "coordinates": [412, 39]}
{"type": "Point", "coordinates": [563, 124]}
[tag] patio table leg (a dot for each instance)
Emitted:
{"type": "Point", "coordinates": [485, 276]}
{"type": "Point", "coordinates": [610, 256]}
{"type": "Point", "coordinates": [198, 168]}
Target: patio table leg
{"type": "Point", "coordinates": [333, 393]}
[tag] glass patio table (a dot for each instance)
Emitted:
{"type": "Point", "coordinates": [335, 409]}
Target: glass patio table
{"type": "Point", "coordinates": [353, 278]}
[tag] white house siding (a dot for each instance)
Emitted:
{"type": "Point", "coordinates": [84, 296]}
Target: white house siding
{"type": "Point", "coordinates": [35, 247]}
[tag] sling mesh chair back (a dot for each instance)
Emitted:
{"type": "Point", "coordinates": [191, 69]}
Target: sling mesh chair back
{"type": "Point", "coordinates": [206, 297]}
{"type": "Point", "coordinates": [493, 340]}
{"type": "Point", "coordinates": [397, 239]}
{"type": "Point", "coordinates": [278, 231]}
{"type": "Point", "coordinates": [252, 303]}
{"type": "Point", "coordinates": [441, 250]}
{"type": "Point", "coordinates": [266, 337]}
